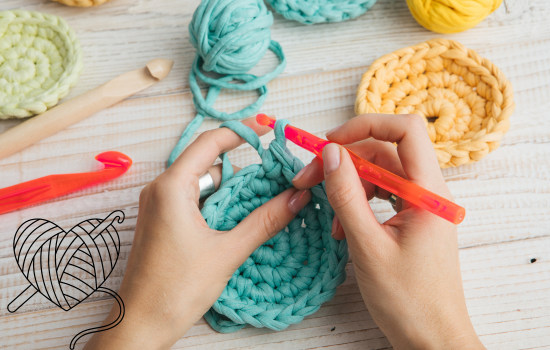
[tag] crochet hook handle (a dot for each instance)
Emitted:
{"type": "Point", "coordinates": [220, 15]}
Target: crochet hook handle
{"type": "Point", "coordinates": [408, 191]}
{"type": "Point", "coordinates": [52, 186]}
{"type": "Point", "coordinates": [405, 189]}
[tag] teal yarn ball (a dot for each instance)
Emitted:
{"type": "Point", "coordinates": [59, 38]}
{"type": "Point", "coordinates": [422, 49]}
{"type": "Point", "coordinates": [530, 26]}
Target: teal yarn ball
{"type": "Point", "coordinates": [295, 272]}
{"type": "Point", "coordinates": [321, 11]}
{"type": "Point", "coordinates": [231, 37]}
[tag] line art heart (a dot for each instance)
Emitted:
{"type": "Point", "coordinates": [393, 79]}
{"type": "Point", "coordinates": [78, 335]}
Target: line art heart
{"type": "Point", "coordinates": [68, 267]}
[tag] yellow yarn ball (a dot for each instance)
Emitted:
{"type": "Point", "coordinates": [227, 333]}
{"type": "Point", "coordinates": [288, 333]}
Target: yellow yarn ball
{"type": "Point", "coordinates": [451, 16]}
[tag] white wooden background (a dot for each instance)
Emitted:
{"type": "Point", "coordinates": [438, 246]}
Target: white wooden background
{"type": "Point", "coordinates": [507, 194]}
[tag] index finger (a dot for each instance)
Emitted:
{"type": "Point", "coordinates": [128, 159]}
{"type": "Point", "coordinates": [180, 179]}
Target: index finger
{"type": "Point", "coordinates": [202, 153]}
{"type": "Point", "coordinates": [408, 131]}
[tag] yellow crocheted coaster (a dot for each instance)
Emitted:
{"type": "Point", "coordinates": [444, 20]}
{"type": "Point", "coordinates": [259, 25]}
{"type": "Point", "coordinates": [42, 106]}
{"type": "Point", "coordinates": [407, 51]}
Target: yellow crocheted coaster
{"type": "Point", "coordinates": [82, 3]}
{"type": "Point", "coordinates": [40, 60]}
{"type": "Point", "coordinates": [465, 100]}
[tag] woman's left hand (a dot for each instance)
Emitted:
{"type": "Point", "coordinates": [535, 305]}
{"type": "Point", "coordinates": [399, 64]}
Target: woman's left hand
{"type": "Point", "coordinates": [178, 266]}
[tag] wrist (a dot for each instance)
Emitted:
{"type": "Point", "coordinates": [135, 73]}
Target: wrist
{"type": "Point", "coordinates": [452, 336]}
{"type": "Point", "coordinates": [151, 321]}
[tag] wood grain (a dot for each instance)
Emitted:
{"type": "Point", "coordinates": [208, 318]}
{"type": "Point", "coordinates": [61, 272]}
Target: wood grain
{"type": "Point", "coordinates": [508, 299]}
{"type": "Point", "coordinates": [507, 194]}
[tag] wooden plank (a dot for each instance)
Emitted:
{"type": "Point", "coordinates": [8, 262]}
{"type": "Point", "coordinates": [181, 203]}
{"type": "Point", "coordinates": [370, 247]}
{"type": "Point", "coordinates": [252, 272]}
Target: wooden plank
{"type": "Point", "coordinates": [508, 299]}
{"type": "Point", "coordinates": [138, 31]}
{"type": "Point", "coordinates": [506, 194]}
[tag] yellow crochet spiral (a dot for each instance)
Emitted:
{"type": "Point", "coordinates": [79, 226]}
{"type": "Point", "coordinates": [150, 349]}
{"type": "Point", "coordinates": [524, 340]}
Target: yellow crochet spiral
{"type": "Point", "coordinates": [82, 3]}
{"type": "Point", "coordinates": [467, 99]}
{"type": "Point", "coordinates": [40, 60]}
{"type": "Point", "coordinates": [451, 16]}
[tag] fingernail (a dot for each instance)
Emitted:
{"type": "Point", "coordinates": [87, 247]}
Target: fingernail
{"type": "Point", "coordinates": [299, 200]}
{"type": "Point", "coordinates": [335, 223]}
{"type": "Point", "coordinates": [300, 173]}
{"type": "Point", "coordinates": [331, 158]}
{"type": "Point", "coordinates": [333, 130]}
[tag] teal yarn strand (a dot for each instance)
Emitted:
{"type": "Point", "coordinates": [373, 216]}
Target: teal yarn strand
{"type": "Point", "coordinates": [231, 37]}
{"type": "Point", "coordinates": [321, 11]}
{"type": "Point", "coordinates": [295, 272]}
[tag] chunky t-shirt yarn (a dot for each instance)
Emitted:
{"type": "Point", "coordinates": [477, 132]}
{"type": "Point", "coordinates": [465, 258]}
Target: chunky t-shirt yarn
{"type": "Point", "coordinates": [321, 11]}
{"type": "Point", "coordinates": [295, 272]}
{"type": "Point", "coordinates": [451, 16]}
{"type": "Point", "coordinates": [82, 3]}
{"type": "Point", "coordinates": [465, 100]}
{"type": "Point", "coordinates": [40, 60]}
{"type": "Point", "coordinates": [231, 37]}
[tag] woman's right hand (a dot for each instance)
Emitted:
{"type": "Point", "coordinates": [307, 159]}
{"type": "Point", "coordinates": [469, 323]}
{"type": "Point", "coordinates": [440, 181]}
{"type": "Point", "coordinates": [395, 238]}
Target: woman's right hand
{"type": "Point", "coordinates": [407, 268]}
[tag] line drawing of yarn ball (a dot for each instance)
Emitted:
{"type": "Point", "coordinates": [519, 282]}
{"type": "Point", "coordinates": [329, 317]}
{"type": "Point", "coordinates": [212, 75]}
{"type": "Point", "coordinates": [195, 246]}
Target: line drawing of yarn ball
{"type": "Point", "coordinates": [66, 267]}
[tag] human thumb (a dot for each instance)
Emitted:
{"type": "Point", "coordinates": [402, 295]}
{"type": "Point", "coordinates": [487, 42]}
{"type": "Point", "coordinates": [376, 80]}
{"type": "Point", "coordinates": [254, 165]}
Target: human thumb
{"type": "Point", "coordinates": [345, 192]}
{"type": "Point", "coordinates": [269, 219]}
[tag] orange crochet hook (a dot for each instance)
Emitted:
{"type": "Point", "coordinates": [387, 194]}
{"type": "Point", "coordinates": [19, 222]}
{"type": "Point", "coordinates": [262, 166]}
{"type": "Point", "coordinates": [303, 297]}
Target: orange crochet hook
{"type": "Point", "coordinates": [405, 189]}
{"type": "Point", "coordinates": [52, 186]}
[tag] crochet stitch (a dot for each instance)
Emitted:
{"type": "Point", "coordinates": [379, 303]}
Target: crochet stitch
{"type": "Point", "coordinates": [230, 36]}
{"type": "Point", "coordinates": [40, 60]}
{"type": "Point", "coordinates": [292, 274]}
{"type": "Point", "coordinates": [469, 97]}
{"type": "Point", "coordinates": [82, 3]}
{"type": "Point", "coordinates": [321, 11]}
{"type": "Point", "coordinates": [451, 16]}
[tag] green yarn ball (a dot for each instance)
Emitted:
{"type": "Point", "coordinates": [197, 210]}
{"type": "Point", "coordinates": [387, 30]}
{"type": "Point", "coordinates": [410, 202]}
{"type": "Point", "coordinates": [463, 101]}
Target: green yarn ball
{"type": "Point", "coordinates": [231, 37]}
{"type": "Point", "coordinates": [40, 60]}
{"type": "Point", "coordinates": [295, 272]}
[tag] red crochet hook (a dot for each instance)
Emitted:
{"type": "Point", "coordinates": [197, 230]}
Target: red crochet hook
{"type": "Point", "coordinates": [405, 189]}
{"type": "Point", "coordinates": [52, 186]}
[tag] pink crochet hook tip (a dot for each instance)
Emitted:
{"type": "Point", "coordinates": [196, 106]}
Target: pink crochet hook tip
{"type": "Point", "coordinates": [52, 186]}
{"type": "Point", "coordinates": [405, 189]}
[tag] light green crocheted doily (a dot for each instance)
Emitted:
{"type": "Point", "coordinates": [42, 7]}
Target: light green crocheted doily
{"type": "Point", "coordinates": [40, 60]}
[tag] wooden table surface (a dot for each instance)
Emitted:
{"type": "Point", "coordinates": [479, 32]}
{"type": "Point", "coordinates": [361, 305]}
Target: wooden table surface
{"type": "Point", "coordinates": [507, 194]}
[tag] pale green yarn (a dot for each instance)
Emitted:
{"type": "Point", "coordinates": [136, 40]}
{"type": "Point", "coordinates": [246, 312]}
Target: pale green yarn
{"type": "Point", "coordinates": [295, 272]}
{"type": "Point", "coordinates": [320, 11]}
{"type": "Point", "coordinates": [231, 37]}
{"type": "Point", "coordinates": [40, 60]}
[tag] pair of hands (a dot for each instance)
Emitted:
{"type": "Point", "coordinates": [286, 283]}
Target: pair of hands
{"type": "Point", "coordinates": [407, 268]}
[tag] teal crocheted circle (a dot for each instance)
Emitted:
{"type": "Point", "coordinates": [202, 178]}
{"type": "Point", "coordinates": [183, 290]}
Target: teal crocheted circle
{"type": "Point", "coordinates": [231, 37]}
{"type": "Point", "coordinates": [321, 11]}
{"type": "Point", "coordinates": [40, 60]}
{"type": "Point", "coordinates": [295, 272]}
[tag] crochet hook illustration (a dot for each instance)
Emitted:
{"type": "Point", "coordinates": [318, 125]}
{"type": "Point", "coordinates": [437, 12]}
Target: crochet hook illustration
{"type": "Point", "coordinates": [405, 189]}
{"type": "Point", "coordinates": [52, 186]}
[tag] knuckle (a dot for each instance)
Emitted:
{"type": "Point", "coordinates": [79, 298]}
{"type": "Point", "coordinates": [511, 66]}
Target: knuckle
{"type": "Point", "coordinates": [206, 135]}
{"type": "Point", "coordinates": [160, 187]}
{"type": "Point", "coordinates": [271, 223]}
{"type": "Point", "coordinates": [205, 138]}
{"type": "Point", "coordinates": [362, 117]}
{"type": "Point", "coordinates": [341, 197]}
{"type": "Point", "coordinates": [143, 194]}
{"type": "Point", "coordinates": [416, 122]}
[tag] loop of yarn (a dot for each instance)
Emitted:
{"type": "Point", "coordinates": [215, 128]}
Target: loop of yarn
{"type": "Point", "coordinates": [40, 60]}
{"type": "Point", "coordinates": [468, 95]}
{"type": "Point", "coordinates": [82, 3]}
{"type": "Point", "coordinates": [292, 274]}
{"type": "Point", "coordinates": [451, 16]}
{"type": "Point", "coordinates": [321, 11]}
{"type": "Point", "coordinates": [230, 36]}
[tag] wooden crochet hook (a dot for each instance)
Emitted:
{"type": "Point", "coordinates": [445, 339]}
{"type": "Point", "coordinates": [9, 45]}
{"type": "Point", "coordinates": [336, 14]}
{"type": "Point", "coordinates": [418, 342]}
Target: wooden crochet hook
{"type": "Point", "coordinates": [83, 106]}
